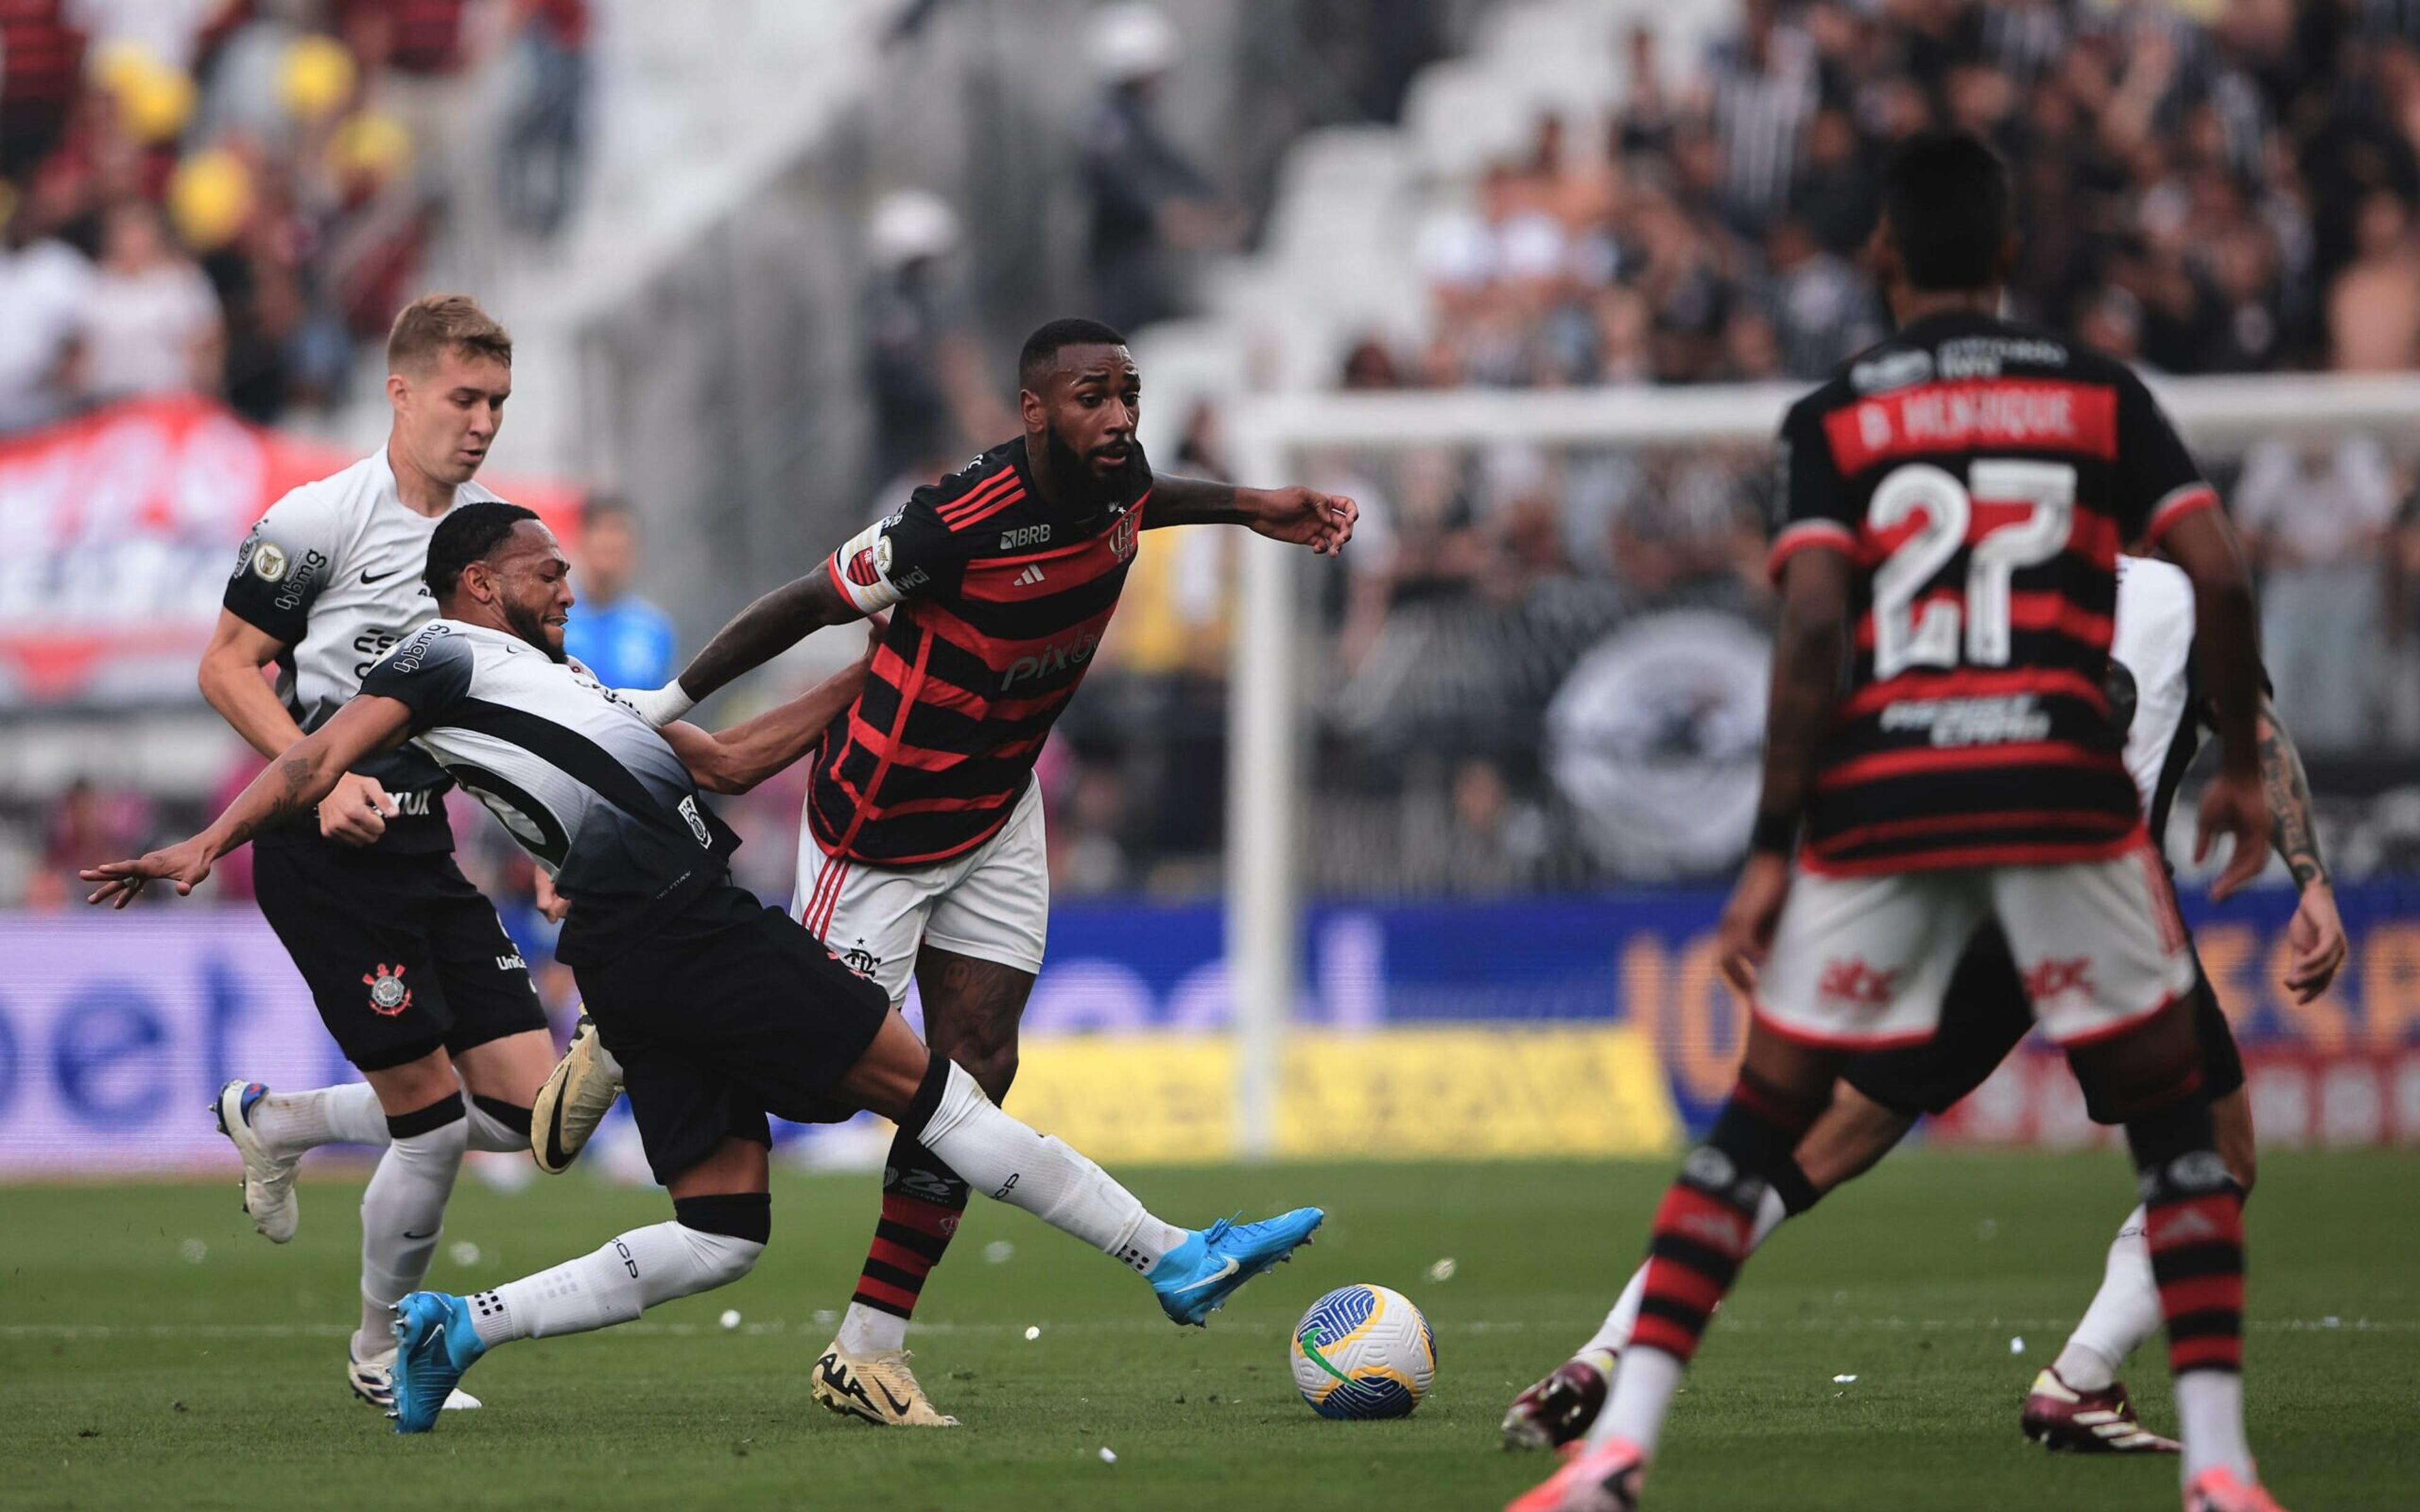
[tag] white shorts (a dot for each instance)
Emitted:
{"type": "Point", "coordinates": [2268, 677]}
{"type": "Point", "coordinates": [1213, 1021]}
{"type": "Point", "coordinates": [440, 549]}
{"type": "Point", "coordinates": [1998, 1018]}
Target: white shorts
{"type": "Point", "coordinates": [1861, 962]}
{"type": "Point", "coordinates": [992, 904]}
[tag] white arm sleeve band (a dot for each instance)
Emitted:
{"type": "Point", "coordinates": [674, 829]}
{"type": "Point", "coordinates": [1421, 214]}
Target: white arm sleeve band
{"type": "Point", "coordinates": [658, 706]}
{"type": "Point", "coordinates": [860, 569]}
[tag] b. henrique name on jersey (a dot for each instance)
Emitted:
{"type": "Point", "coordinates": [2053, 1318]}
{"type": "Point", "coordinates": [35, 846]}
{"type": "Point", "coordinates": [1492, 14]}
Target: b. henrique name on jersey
{"type": "Point", "coordinates": [999, 605]}
{"type": "Point", "coordinates": [1982, 477]}
{"type": "Point", "coordinates": [333, 571]}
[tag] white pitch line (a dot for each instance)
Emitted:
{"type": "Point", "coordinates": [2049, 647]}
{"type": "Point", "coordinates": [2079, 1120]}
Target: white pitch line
{"type": "Point", "coordinates": [1141, 1326]}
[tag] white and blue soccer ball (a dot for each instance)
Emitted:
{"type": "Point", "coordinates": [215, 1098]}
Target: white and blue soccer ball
{"type": "Point", "coordinates": [1363, 1351]}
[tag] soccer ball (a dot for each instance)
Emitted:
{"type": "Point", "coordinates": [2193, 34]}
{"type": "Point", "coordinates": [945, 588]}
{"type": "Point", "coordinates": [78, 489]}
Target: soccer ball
{"type": "Point", "coordinates": [1363, 1351]}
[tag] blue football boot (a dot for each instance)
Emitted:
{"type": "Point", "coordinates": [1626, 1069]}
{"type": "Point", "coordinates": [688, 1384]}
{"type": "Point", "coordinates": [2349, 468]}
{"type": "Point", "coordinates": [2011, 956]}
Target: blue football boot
{"type": "Point", "coordinates": [434, 1344]}
{"type": "Point", "coordinates": [1196, 1278]}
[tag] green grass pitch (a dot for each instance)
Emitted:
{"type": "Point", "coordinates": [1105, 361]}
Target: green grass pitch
{"type": "Point", "coordinates": [139, 1368]}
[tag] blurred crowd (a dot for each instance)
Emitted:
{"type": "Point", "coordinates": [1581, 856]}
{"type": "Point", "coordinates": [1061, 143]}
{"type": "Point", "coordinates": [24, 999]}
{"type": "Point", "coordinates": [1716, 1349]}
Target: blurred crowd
{"type": "Point", "coordinates": [2226, 194]}
{"type": "Point", "coordinates": [227, 196]}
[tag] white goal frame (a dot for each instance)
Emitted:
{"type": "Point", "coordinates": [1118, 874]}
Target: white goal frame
{"type": "Point", "coordinates": [1270, 435]}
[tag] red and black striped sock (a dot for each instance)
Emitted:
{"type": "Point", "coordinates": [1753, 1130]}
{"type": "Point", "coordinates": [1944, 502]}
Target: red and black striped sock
{"type": "Point", "coordinates": [922, 1200]}
{"type": "Point", "coordinates": [2194, 1227]}
{"type": "Point", "coordinates": [2196, 1235]}
{"type": "Point", "coordinates": [1706, 1224]}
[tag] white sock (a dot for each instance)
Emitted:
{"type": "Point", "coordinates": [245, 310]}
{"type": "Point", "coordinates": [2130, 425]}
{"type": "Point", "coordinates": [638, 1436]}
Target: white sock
{"type": "Point", "coordinates": [1009, 1163]}
{"type": "Point", "coordinates": [2124, 1312]}
{"type": "Point", "coordinates": [493, 1134]}
{"type": "Point", "coordinates": [2209, 1417]}
{"type": "Point", "coordinates": [1612, 1336]}
{"type": "Point", "coordinates": [612, 1285]}
{"type": "Point", "coordinates": [1640, 1399]}
{"type": "Point", "coordinates": [292, 1122]}
{"type": "Point", "coordinates": [871, 1330]}
{"type": "Point", "coordinates": [403, 1211]}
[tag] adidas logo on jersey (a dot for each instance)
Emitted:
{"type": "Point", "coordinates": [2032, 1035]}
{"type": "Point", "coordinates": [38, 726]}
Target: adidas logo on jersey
{"type": "Point", "coordinates": [1029, 576]}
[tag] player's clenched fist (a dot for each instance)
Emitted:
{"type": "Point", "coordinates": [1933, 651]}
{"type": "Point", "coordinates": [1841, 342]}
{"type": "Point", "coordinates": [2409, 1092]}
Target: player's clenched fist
{"type": "Point", "coordinates": [356, 811]}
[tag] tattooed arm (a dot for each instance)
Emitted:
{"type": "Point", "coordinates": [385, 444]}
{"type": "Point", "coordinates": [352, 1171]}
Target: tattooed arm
{"type": "Point", "coordinates": [2289, 799]}
{"type": "Point", "coordinates": [2316, 935]}
{"type": "Point", "coordinates": [293, 784]}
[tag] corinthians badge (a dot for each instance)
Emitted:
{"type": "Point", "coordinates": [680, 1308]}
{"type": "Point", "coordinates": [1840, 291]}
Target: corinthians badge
{"type": "Point", "coordinates": [388, 994]}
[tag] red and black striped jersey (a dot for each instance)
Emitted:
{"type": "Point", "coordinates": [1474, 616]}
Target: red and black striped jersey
{"type": "Point", "coordinates": [1001, 604]}
{"type": "Point", "coordinates": [1981, 476]}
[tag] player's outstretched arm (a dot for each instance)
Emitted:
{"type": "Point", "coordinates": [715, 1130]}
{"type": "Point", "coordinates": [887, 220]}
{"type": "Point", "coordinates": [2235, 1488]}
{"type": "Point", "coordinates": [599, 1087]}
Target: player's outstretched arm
{"type": "Point", "coordinates": [1806, 652]}
{"type": "Point", "coordinates": [2317, 934]}
{"type": "Point", "coordinates": [2227, 652]}
{"type": "Point", "coordinates": [296, 780]}
{"type": "Point", "coordinates": [1303, 516]}
{"type": "Point", "coordinates": [736, 759]}
{"type": "Point", "coordinates": [229, 678]}
{"type": "Point", "coordinates": [755, 635]}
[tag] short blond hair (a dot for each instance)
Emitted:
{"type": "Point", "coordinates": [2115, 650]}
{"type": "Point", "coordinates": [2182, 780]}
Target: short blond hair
{"type": "Point", "coordinates": [435, 323]}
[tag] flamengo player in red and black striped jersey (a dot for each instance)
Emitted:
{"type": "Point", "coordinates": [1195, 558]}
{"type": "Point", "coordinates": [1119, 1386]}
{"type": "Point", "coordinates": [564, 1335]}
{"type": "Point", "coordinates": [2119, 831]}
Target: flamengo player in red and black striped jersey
{"type": "Point", "coordinates": [1956, 499]}
{"type": "Point", "coordinates": [1971, 470]}
{"type": "Point", "coordinates": [921, 851]}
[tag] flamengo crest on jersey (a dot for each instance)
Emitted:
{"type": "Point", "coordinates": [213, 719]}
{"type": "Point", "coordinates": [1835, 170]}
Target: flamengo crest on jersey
{"type": "Point", "coordinates": [1982, 476]}
{"type": "Point", "coordinates": [998, 606]}
{"type": "Point", "coordinates": [577, 776]}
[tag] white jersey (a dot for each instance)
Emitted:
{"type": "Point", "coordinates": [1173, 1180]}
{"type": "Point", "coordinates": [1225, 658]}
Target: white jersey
{"type": "Point", "coordinates": [2153, 646]}
{"type": "Point", "coordinates": [579, 778]}
{"type": "Point", "coordinates": [333, 571]}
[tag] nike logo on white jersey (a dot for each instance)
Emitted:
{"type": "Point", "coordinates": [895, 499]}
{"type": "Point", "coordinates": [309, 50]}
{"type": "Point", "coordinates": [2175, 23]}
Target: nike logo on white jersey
{"type": "Point", "coordinates": [1232, 1266]}
{"type": "Point", "coordinates": [1029, 576]}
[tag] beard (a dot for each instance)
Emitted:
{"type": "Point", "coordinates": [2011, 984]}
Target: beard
{"type": "Point", "coordinates": [529, 624]}
{"type": "Point", "coordinates": [1090, 492]}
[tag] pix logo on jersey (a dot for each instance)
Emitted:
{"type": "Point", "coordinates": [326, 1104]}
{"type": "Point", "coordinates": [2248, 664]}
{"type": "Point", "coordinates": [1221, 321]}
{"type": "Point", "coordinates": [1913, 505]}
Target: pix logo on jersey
{"type": "Point", "coordinates": [1055, 658]}
{"type": "Point", "coordinates": [389, 996]}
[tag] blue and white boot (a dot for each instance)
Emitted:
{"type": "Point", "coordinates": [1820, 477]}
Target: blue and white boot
{"type": "Point", "coordinates": [434, 1344]}
{"type": "Point", "coordinates": [1196, 1278]}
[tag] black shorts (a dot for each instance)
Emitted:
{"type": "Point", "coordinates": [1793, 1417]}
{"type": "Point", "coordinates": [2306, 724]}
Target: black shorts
{"type": "Point", "coordinates": [1983, 1015]}
{"type": "Point", "coordinates": [726, 1012]}
{"type": "Point", "coordinates": [402, 954]}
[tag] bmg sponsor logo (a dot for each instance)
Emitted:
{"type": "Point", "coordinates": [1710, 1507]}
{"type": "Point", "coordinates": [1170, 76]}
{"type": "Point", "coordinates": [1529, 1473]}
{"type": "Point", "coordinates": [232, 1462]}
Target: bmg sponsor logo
{"type": "Point", "coordinates": [297, 584]}
{"type": "Point", "coordinates": [410, 658]}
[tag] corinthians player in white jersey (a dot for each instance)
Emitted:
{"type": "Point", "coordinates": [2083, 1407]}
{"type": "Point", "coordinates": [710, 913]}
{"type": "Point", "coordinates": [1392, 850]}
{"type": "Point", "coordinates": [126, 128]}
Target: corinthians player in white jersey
{"type": "Point", "coordinates": [412, 974]}
{"type": "Point", "coordinates": [2076, 1403]}
{"type": "Point", "coordinates": [720, 1010]}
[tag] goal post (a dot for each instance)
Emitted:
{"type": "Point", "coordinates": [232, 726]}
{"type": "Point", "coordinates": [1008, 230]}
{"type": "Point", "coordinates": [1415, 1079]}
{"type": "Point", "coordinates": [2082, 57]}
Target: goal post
{"type": "Point", "coordinates": [1271, 437]}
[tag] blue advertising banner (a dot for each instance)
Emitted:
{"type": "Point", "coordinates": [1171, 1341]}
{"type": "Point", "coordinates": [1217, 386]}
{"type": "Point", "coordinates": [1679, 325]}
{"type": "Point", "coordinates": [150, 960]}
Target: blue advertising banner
{"type": "Point", "coordinates": [114, 1031]}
